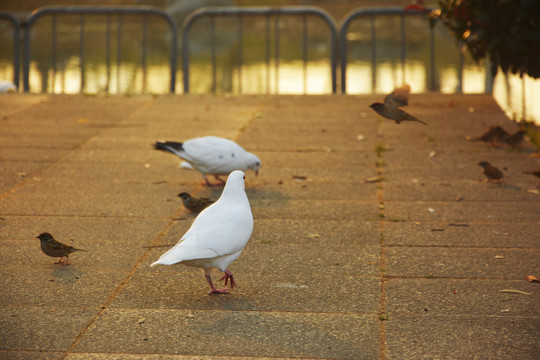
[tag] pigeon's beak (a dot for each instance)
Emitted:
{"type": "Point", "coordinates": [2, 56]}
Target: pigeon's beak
{"type": "Point", "coordinates": [257, 172]}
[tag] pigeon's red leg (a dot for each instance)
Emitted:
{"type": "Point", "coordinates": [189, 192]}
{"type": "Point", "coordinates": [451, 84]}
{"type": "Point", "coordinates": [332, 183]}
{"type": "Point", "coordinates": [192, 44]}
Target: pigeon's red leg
{"type": "Point", "coordinates": [219, 179]}
{"type": "Point", "coordinates": [228, 275]}
{"type": "Point", "coordinates": [60, 260]}
{"type": "Point", "coordinates": [214, 290]}
{"type": "Point", "coordinates": [210, 184]}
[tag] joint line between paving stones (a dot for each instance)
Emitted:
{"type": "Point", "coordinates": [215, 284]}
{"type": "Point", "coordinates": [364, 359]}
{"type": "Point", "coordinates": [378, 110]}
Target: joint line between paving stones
{"type": "Point", "coordinates": [119, 288]}
{"type": "Point", "coordinates": [71, 150]}
{"type": "Point", "coordinates": [141, 259]}
{"type": "Point", "coordinates": [379, 165]}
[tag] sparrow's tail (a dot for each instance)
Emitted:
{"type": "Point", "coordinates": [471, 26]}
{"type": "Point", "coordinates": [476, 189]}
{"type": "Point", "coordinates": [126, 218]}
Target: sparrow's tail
{"type": "Point", "coordinates": [170, 146]}
{"type": "Point", "coordinates": [412, 118]}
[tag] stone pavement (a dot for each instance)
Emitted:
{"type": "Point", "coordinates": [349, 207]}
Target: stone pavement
{"type": "Point", "coordinates": [372, 240]}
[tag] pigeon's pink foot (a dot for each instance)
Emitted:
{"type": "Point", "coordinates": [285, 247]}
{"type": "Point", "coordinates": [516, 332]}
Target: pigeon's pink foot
{"type": "Point", "coordinates": [228, 275]}
{"type": "Point", "coordinates": [219, 291]}
{"type": "Point", "coordinates": [214, 290]}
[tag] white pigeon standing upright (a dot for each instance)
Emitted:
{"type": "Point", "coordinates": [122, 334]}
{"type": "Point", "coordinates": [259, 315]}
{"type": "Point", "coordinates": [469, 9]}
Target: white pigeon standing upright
{"type": "Point", "coordinates": [218, 235]}
{"type": "Point", "coordinates": [211, 155]}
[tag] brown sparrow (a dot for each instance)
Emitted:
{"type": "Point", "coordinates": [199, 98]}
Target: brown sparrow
{"type": "Point", "coordinates": [195, 204]}
{"type": "Point", "coordinates": [493, 135]}
{"type": "Point", "coordinates": [535, 173]}
{"type": "Point", "coordinates": [392, 102]}
{"type": "Point", "coordinates": [55, 248]}
{"type": "Point", "coordinates": [514, 140]}
{"type": "Point", "coordinates": [491, 172]}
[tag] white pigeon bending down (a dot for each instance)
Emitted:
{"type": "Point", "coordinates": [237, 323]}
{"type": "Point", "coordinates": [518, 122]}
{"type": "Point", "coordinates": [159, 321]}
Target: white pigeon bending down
{"type": "Point", "coordinates": [212, 155]}
{"type": "Point", "coordinates": [218, 235]}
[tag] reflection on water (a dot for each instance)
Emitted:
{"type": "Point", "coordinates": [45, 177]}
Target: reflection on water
{"type": "Point", "coordinates": [513, 94]}
{"type": "Point", "coordinates": [98, 79]}
{"type": "Point", "coordinates": [125, 75]}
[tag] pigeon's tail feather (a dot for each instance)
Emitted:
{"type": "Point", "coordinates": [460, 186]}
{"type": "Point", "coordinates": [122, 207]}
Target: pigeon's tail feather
{"type": "Point", "coordinates": [170, 146]}
{"type": "Point", "coordinates": [154, 263]}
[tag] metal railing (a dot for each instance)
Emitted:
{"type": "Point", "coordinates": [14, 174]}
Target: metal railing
{"type": "Point", "coordinates": [82, 11]}
{"type": "Point", "coordinates": [371, 14]}
{"type": "Point", "coordinates": [267, 12]}
{"type": "Point", "coordinates": [16, 44]}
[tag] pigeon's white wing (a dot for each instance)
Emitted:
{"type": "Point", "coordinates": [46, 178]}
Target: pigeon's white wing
{"type": "Point", "coordinates": [213, 155]}
{"type": "Point", "coordinates": [186, 249]}
{"type": "Point", "coordinates": [223, 227]}
{"type": "Point", "coordinates": [217, 231]}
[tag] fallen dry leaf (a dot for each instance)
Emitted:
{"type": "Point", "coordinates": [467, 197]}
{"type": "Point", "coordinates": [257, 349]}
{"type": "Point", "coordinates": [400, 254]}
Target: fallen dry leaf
{"type": "Point", "coordinates": [513, 291]}
{"type": "Point", "coordinates": [374, 180]}
{"type": "Point", "coordinates": [532, 278]}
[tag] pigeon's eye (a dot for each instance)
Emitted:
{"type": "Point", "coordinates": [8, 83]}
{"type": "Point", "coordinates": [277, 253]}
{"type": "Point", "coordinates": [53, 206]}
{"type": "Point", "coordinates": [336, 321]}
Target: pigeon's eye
{"type": "Point", "coordinates": [244, 177]}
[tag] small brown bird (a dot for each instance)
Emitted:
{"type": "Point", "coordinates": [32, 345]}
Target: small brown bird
{"type": "Point", "coordinates": [535, 173]}
{"type": "Point", "coordinates": [514, 139]}
{"type": "Point", "coordinates": [55, 248]}
{"type": "Point", "coordinates": [494, 134]}
{"type": "Point", "coordinates": [491, 172]}
{"type": "Point", "coordinates": [392, 102]}
{"type": "Point", "coordinates": [195, 204]}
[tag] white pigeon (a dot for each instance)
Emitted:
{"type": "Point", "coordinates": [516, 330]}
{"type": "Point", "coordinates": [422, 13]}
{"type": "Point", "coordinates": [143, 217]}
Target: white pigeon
{"type": "Point", "coordinates": [7, 86]}
{"type": "Point", "coordinates": [211, 155]}
{"type": "Point", "coordinates": [218, 235]}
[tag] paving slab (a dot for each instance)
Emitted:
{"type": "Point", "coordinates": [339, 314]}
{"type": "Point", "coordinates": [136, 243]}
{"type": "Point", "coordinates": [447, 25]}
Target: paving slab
{"type": "Point", "coordinates": [460, 297]}
{"type": "Point", "coordinates": [31, 355]}
{"type": "Point", "coordinates": [233, 333]}
{"type": "Point", "coordinates": [47, 328]}
{"type": "Point", "coordinates": [449, 262]}
{"type": "Point", "coordinates": [343, 294]}
{"type": "Point", "coordinates": [465, 234]}
{"type": "Point", "coordinates": [66, 285]}
{"type": "Point", "coordinates": [372, 240]}
{"type": "Point", "coordinates": [463, 212]}
{"type": "Point", "coordinates": [461, 337]}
